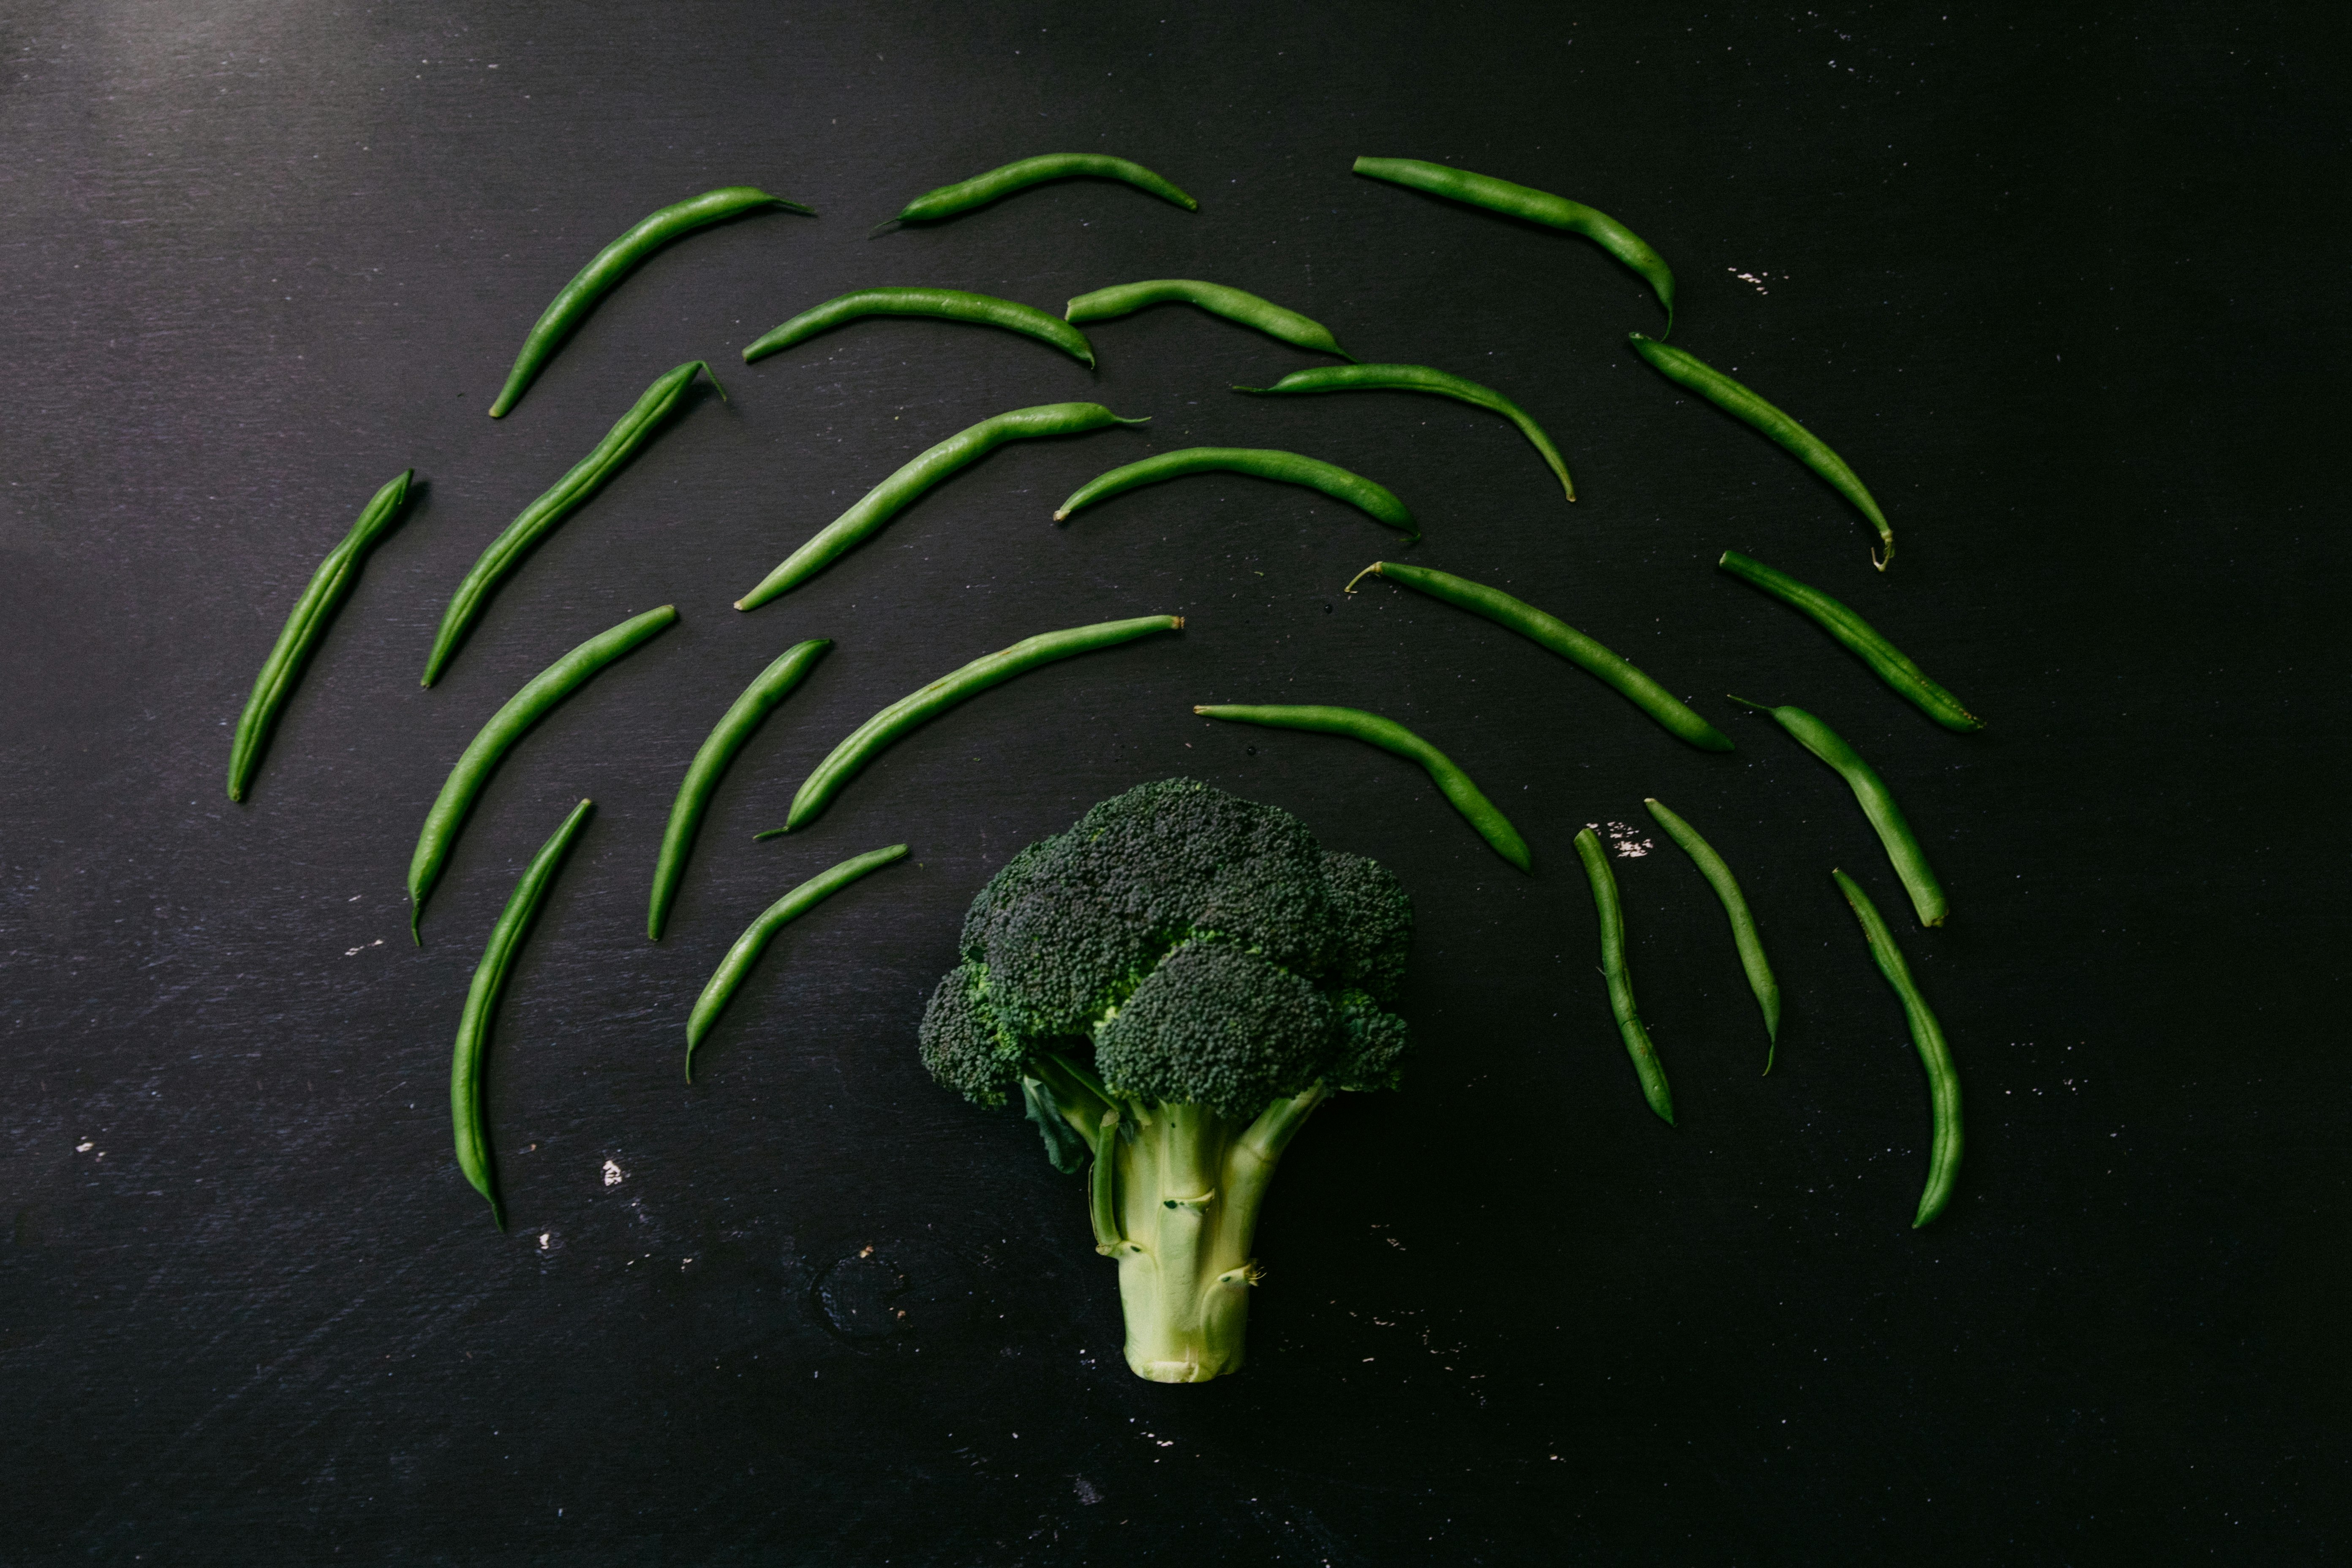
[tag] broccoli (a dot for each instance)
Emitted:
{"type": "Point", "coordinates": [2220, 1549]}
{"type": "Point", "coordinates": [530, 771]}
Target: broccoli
{"type": "Point", "coordinates": [1171, 987]}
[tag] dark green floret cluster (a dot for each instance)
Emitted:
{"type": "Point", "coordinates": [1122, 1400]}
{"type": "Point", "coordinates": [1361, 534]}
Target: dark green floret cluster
{"type": "Point", "coordinates": [1179, 980]}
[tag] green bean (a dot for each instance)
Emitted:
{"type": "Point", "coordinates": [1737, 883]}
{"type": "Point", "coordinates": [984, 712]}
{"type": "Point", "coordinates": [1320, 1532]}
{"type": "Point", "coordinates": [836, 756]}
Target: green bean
{"type": "Point", "coordinates": [1288, 467]}
{"type": "Point", "coordinates": [1283, 326]}
{"type": "Point", "coordinates": [939, 304]}
{"type": "Point", "coordinates": [329, 586]}
{"type": "Point", "coordinates": [1534, 206]}
{"type": "Point", "coordinates": [1883, 656]}
{"type": "Point", "coordinates": [1548, 631]}
{"type": "Point", "coordinates": [1422, 378]}
{"type": "Point", "coordinates": [1927, 1038]}
{"type": "Point", "coordinates": [615, 261]}
{"type": "Point", "coordinates": [1902, 851]}
{"type": "Point", "coordinates": [489, 746]}
{"type": "Point", "coordinates": [734, 728]}
{"type": "Point", "coordinates": [1686, 371]}
{"type": "Point", "coordinates": [892, 495]}
{"type": "Point", "coordinates": [730, 975]}
{"type": "Point", "coordinates": [952, 690]}
{"type": "Point", "coordinates": [1646, 1066]}
{"type": "Point", "coordinates": [568, 495]}
{"type": "Point", "coordinates": [981, 189]}
{"type": "Point", "coordinates": [472, 1056]}
{"type": "Point", "coordinates": [1390, 736]}
{"type": "Point", "coordinates": [1743, 924]}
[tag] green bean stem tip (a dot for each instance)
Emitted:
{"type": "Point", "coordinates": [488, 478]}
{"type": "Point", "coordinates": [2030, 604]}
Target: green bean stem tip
{"type": "Point", "coordinates": [1359, 576]}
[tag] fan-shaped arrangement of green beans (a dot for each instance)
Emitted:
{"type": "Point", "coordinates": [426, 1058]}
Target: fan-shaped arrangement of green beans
{"type": "Point", "coordinates": [467, 781]}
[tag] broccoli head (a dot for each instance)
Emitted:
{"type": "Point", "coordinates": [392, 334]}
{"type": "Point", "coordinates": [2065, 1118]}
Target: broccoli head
{"type": "Point", "coordinates": [1172, 986]}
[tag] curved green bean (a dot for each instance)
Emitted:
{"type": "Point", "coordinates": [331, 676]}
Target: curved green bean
{"type": "Point", "coordinates": [1877, 802]}
{"type": "Point", "coordinates": [734, 728]}
{"type": "Point", "coordinates": [1390, 736]}
{"type": "Point", "coordinates": [467, 1114]}
{"type": "Point", "coordinates": [1744, 936]}
{"type": "Point", "coordinates": [1646, 1066]}
{"type": "Point", "coordinates": [1422, 378]}
{"type": "Point", "coordinates": [939, 304]}
{"type": "Point", "coordinates": [489, 745]}
{"type": "Point", "coordinates": [1927, 1038]}
{"type": "Point", "coordinates": [568, 495]}
{"type": "Point", "coordinates": [1288, 467]}
{"type": "Point", "coordinates": [981, 189]}
{"type": "Point", "coordinates": [614, 262]}
{"type": "Point", "coordinates": [728, 976]}
{"type": "Point", "coordinates": [1548, 631]}
{"type": "Point", "coordinates": [867, 740]}
{"type": "Point", "coordinates": [1688, 370]}
{"type": "Point", "coordinates": [1534, 206]}
{"type": "Point", "coordinates": [1282, 326]}
{"type": "Point", "coordinates": [330, 584]}
{"type": "Point", "coordinates": [1859, 638]}
{"type": "Point", "coordinates": [894, 494]}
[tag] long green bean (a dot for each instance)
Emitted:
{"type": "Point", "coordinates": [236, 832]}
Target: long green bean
{"type": "Point", "coordinates": [614, 262]}
{"type": "Point", "coordinates": [568, 495]}
{"type": "Point", "coordinates": [869, 739]}
{"type": "Point", "coordinates": [1390, 736]}
{"type": "Point", "coordinates": [1934, 1056]}
{"type": "Point", "coordinates": [1877, 802]}
{"type": "Point", "coordinates": [1548, 631]}
{"type": "Point", "coordinates": [892, 495]}
{"type": "Point", "coordinates": [1694, 373]}
{"type": "Point", "coordinates": [1858, 639]}
{"type": "Point", "coordinates": [1282, 326]}
{"type": "Point", "coordinates": [1422, 378]}
{"type": "Point", "coordinates": [939, 304]}
{"type": "Point", "coordinates": [728, 976]}
{"type": "Point", "coordinates": [1534, 206]}
{"type": "Point", "coordinates": [468, 1117]}
{"type": "Point", "coordinates": [734, 728]}
{"type": "Point", "coordinates": [1646, 1066]}
{"type": "Point", "coordinates": [1285, 468]}
{"type": "Point", "coordinates": [1744, 935]}
{"type": "Point", "coordinates": [489, 745]}
{"type": "Point", "coordinates": [948, 201]}
{"type": "Point", "coordinates": [329, 587]}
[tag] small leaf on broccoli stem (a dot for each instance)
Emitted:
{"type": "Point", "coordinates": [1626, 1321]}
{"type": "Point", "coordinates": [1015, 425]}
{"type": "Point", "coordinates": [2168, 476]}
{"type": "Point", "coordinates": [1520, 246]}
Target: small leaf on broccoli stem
{"type": "Point", "coordinates": [1064, 1146]}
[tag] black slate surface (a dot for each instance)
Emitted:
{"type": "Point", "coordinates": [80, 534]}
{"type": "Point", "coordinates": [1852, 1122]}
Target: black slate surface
{"type": "Point", "coordinates": [2064, 285]}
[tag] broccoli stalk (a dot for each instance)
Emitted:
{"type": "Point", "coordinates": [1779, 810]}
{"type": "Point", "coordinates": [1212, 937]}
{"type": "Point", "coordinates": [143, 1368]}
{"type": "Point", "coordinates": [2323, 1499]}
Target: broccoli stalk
{"type": "Point", "coordinates": [1176, 1202]}
{"type": "Point", "coordinates": [1175, 985]}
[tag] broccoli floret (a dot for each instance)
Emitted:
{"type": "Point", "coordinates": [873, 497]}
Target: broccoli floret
{"type": "Point", "coordinates": [1173, 986]}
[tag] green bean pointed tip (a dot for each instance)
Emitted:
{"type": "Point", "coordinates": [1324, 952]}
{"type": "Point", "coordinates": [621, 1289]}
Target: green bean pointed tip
{"type": "Point", "coordinates": [1759, 707]}
{"type": "Point", "coordinates": [770, 833]}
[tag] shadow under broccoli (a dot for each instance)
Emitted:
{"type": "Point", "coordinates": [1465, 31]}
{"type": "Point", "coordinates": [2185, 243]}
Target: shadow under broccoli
{"type": "Point", "coordinates": [1173, 986]}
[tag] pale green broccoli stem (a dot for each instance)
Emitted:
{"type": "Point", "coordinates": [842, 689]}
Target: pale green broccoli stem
{"type": "Point", "coordinates": [1102, 1190]}
{"type": "Point", "coordinates": [1188, 1191]}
